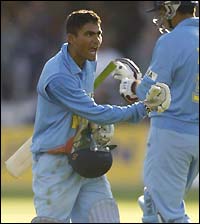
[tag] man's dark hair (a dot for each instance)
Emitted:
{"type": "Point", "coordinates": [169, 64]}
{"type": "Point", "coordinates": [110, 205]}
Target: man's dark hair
{"type": "Point", "coordinates": [77, 19]}
{"type": "Point", "coordinates": [187, 7]}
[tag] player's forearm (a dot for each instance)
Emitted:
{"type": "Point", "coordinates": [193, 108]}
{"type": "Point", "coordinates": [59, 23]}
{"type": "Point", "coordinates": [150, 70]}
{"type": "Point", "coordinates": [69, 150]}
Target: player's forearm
{"type": "Point", "coordinates": [140, 112]}
{"type": "Point", "coordinates": [107, 114]}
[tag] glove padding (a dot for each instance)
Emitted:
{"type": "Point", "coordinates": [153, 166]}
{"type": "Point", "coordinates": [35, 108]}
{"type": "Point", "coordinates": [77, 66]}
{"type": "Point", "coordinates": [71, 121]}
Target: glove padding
{"type": "Point", "coordinates": [102, 134]}
{"type": "Point", "coordinates": [128, 73]}
{"type": "Point", "coordinates": [127, 88]}
{"type": "Point", "coordinates": [158, 97]}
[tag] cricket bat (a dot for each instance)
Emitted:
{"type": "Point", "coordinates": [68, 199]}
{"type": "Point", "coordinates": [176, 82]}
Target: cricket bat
{"type": "Point", "coordinates": [21, 160]}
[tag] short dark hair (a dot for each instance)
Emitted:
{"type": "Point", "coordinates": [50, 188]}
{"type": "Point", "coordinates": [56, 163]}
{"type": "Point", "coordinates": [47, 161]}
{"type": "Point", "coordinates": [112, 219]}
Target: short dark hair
{"type": "Point", "coordinates": [79, 18]}
{"type": "Point", "coordinates": [187, 7]}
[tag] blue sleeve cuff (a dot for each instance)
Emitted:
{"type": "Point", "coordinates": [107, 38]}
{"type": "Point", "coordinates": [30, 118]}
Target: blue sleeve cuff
{"type": "Point", "coordinates": [144, 87]}
{"type": "Point", "coordinates": [141, 112]}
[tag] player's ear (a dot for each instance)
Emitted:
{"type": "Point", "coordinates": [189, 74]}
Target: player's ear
{"type": "Point", "coordinates": [70, 38]}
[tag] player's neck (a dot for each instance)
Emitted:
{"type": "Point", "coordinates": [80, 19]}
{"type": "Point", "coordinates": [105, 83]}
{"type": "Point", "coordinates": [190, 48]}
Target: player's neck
{"type": "Point", "coordinates": [79, 60]}
{"type": "Point", "coordinates": [180, 17]}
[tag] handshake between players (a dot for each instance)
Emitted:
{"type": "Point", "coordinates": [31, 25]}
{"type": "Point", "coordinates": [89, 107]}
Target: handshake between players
{"type": "Point", "coordinates": [158, 97]}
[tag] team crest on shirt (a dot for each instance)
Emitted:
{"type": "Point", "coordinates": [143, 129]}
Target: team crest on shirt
{"type": "Point", "coordinates": [152, 75]}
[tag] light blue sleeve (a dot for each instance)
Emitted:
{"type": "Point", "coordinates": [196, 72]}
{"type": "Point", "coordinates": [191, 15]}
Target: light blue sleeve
{"type": "Point", "coordinates": [65, 91]}
{"type": "Point", "coordinates": [160, 68]}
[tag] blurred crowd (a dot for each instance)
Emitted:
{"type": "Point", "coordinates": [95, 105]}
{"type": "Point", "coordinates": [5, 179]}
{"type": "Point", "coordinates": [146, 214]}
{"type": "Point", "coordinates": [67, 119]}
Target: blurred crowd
{"type": "Point", "coordinates": [33, 31]}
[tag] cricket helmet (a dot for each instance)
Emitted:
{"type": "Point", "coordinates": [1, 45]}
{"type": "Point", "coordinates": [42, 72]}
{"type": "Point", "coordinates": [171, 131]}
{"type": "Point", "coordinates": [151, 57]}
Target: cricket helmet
{"type": "Point", "coordinates": [91, 163]}
{"type": "Point", "coordinates": [170, 7]}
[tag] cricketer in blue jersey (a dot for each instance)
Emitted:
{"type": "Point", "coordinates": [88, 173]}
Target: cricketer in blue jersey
{"type": "Point", "coordinates": [65, 111]}
{"type": "Point", "coordinates": [172, 157]}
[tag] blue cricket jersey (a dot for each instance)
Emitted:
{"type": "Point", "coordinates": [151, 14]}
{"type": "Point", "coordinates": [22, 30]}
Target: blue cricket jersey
{"type": "Point", "coordinates": [64, 98]}
{"type": "Point", "coordinates": [175, 61]}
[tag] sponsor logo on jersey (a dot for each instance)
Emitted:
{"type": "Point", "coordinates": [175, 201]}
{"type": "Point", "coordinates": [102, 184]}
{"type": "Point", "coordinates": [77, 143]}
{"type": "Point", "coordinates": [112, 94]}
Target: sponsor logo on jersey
{"type": "Point", "coordinates": [152, 75]}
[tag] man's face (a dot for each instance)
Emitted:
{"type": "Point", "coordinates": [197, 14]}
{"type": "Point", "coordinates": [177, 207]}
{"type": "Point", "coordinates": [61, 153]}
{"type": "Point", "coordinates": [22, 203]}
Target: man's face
{"type": "Point", "coordinates": [86, 43]}
{"type": "Point", "coordinates": [160, 17]}
{"type": "Point", "coordinates": [162, 13]}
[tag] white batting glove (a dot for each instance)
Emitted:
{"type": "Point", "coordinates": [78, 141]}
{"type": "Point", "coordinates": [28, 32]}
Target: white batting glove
{"type": "Point", "coordinates": [102, 134]}
{"type": "Point", "coordinates": [158, 97]}
{"type": "Point", "coordinates": [126, 90]}
{"type": "Point", "coordinates": [128, 73]}
{"type": "Point", "coordinates": [122, 71]}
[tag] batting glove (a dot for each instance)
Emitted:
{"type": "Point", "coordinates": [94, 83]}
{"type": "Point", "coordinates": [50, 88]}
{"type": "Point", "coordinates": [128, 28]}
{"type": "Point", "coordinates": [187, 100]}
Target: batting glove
{"type": "Point", "coordinates": [158, 97]}
{"type": "Point", "coordinates": [126, 89]}
{"type": "Point", "coordinates": [128, 73]}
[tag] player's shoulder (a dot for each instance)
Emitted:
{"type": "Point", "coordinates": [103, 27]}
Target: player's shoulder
{"type": "Point", "coordinates": [177, 37]}
{"type": "Point", "coordinates": [196, 21]}
{"type": "Point", "coordinates": [165, 41]}
{"type": "Point", "coordinates": [57, 64]}
{"type": "Point", "coordinates": [52, 62]}
{"type": "Point", "coordinates": [52, 68]}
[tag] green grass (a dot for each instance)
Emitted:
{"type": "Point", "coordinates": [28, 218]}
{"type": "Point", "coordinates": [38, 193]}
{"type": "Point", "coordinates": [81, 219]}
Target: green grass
{"type": "Point", "coordinates": [21, 210]}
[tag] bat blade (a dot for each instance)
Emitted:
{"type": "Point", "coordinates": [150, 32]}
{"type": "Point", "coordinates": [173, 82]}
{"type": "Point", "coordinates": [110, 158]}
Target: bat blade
{"type": "Point", "coordinates": [104, 74]}
{"type": "Point", "coordinates": [21, 160]}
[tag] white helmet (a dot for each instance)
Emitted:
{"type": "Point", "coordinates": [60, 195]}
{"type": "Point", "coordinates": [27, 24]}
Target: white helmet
{"type": "Point", "coordinates": [170, 8]}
